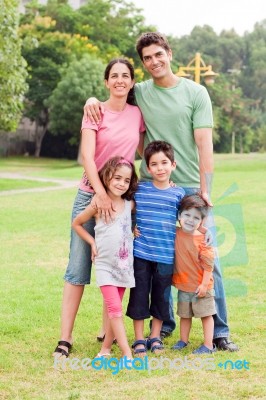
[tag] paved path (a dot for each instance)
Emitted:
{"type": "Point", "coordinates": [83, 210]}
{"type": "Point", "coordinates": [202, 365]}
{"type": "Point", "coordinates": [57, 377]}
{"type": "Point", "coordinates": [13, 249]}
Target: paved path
{"type": "Point", "coordinates": [61, 183]}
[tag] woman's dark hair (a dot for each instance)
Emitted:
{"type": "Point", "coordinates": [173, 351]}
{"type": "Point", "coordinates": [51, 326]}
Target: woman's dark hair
{"type": "Point", "coordinates": [107, 172]}
{"type": "Point", "coordinates": [130, 96]}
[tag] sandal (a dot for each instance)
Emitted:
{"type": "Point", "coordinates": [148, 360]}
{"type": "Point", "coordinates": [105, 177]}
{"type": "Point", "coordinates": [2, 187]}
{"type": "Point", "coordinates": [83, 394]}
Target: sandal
{"type": "Point", "coordinates": [62, 351]}
{"type": "Point", "coordinates": [139, 350]}
{"type": "Point", "coordinates": [153, 346]}
{"type": "Point", "coordinates": [101, 339]}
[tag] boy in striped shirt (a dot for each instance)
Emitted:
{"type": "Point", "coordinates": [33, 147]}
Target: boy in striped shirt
{"type": "Point", "coordinates": [157, 204]}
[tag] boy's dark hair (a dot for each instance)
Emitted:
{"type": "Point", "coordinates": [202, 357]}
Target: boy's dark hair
{"type": "Point", "coordinates": [155, 147]}
{"type": "Point", "coordinates": [131, 94]}
{"type": "Point", "coordinates": [194, 201]}
{"type": "Point", "coordinates": [107, 172]}
{"type": "Point", "coordinates": [149, 38]}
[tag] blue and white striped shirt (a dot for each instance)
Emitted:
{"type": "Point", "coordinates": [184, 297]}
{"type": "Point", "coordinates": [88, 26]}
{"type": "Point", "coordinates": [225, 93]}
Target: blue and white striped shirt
{"type": "Point", "coordinates": [156, 215]}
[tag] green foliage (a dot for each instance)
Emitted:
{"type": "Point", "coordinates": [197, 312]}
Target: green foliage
{"type": "Point", "coordinates": [232, 117]}
{"type": "Point", "coordinates": [12, 67]}
{"type": "Point", "coordinates": [82, 79]}
{"type": "Point", "coordinates": [54, 35]}
{"type": "Point", "coordinates": [113, 26]}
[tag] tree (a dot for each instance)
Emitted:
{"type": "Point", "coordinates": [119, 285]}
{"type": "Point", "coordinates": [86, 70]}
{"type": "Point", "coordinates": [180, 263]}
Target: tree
{"type": "Point", "coordinates": [233, 119]}
{"type": "Point", "coordinates": [113, 26]}
{"type": "Point", "coordinates": [12, 67]}
{"type": "Point", "coordinates": [47, 52]}
{"type": "Point", "coordinates": [82, 79]}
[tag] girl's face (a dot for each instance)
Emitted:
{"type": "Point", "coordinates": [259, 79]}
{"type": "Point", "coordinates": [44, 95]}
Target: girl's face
{"type": "Point", "coordinates": [119, 183]}
{"type": "Point", "coordinates": [119, 81]}
{"type": "Point", "coordinates": [190, 220]}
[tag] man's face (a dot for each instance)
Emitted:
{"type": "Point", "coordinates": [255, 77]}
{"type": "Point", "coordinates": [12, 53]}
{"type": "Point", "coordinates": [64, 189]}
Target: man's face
{"type": "Point", "coordinates": [156, 61]}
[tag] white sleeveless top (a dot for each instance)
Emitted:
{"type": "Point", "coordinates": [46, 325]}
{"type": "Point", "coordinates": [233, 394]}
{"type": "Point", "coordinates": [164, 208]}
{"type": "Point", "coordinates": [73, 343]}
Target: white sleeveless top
{"type": "Point", "coordinates": [114, 241]}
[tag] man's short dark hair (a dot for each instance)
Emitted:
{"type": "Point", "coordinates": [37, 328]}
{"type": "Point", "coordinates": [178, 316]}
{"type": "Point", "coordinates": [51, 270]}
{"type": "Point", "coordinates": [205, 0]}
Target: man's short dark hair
{"type": "Point", "coordinates": [149, 38]}
{"type": "Point", "coordinates": [156, 147]}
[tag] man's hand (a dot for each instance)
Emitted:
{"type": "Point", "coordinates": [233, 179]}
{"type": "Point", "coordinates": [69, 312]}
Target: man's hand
{"type": "Point", "coordinates": [92, 110]}
{"type": "Point", "coordinates": [208, 238]}
{"type": "Point", "coordinates": [206, 197]}
{"type": "Point", "coordinates": [201, 290]}
{"type": "Point", "coordinates": [104, 206]}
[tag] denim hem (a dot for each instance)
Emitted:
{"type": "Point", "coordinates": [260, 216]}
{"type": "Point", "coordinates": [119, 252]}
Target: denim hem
{"type": "Point", "coordinates": [221, 336]}
{"type": "Point", "coordinates": [77, 283]}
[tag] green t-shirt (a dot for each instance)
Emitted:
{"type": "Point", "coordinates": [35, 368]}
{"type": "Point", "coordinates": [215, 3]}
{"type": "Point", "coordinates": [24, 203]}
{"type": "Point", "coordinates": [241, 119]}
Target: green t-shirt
{"type": "Point", "coordinates": [172, 114]}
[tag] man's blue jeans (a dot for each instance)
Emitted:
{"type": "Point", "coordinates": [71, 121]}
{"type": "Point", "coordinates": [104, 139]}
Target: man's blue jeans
{"type": "Point", "coordinates": [221, 328]}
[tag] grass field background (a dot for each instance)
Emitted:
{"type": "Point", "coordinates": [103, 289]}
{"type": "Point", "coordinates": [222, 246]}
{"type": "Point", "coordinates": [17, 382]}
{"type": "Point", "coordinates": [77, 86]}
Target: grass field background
{"type": "Point", "coordinates": [34, 240]}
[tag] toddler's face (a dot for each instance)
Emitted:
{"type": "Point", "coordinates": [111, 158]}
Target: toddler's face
{"type": "Point", "coordinates": [190, 220]}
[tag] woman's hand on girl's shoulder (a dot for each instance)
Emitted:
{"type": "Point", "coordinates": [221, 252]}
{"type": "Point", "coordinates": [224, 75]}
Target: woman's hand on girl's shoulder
{"type": "Point", "coordinates": [104, 206]}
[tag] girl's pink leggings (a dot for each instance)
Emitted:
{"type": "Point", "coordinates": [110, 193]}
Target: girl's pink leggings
{"type": "Point", "coordinates": [113, 296]}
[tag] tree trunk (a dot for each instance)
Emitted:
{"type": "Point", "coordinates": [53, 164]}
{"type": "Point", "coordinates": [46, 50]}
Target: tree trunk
{"type": "Point", "coordinates": [41, 129]}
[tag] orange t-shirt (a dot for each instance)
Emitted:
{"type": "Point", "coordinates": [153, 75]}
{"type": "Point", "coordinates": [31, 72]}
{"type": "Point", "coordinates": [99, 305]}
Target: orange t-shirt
{"type": "Point", "coordinates": [192, 257]}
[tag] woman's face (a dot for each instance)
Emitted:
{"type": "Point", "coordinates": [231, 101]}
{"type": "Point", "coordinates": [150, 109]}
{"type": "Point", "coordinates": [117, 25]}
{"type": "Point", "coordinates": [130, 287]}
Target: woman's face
{"type": "Point", "coordinates": [119, 81]}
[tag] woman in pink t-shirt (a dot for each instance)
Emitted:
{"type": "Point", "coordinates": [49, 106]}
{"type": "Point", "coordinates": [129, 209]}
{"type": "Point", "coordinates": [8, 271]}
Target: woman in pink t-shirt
{"type": "Point", "coordinates": [117, 134]}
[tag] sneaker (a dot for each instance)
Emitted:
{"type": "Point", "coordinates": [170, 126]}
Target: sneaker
{"type": "Point", "coordinates": [180, 345]}
{"type": "Point", "coordinates": [165, 334]}
{"type": "Point", "coordinates": [224, 344]}
{"type": "Point", "coordinates": [204, 350]}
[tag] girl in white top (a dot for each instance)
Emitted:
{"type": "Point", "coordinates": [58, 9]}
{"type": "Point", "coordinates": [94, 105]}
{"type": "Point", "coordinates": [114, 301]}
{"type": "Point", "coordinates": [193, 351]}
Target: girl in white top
{"type": "Point", "coordinates": [112, 248]}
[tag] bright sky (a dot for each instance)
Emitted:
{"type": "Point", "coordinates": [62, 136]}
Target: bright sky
{"type": "Point", "coordinates": [178, 17]}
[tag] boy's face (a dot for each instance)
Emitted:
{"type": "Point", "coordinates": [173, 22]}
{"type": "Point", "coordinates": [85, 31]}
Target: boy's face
{"type": "Point", "coordinates": [157, 61]}
{"type": "Point", "coordinates": [190, 220]}
{"type": "Point", "coordinates": [160, 168]}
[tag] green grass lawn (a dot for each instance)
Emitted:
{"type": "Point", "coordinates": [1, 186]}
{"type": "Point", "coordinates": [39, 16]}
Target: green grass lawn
{"type": "Point", "coordinates": [34, 234]}
{"type": "Point", "coordinates": [11, 184]}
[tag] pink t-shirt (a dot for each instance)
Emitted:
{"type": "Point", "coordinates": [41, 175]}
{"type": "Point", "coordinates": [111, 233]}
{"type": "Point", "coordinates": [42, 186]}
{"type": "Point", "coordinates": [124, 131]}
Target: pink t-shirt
{"type": "Point", "coordinates": [117, 134]}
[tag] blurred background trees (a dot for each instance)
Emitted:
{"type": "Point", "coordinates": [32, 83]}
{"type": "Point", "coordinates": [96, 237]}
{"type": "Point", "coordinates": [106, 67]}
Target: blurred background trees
{"type": "Point", "coordinates": [66, 51]}
{"type": "Point", "coordinates": [12, 67]}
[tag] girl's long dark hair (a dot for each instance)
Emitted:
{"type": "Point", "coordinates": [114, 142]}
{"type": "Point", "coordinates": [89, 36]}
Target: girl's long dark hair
{"type": "Point", "coordinates": [130, 96]}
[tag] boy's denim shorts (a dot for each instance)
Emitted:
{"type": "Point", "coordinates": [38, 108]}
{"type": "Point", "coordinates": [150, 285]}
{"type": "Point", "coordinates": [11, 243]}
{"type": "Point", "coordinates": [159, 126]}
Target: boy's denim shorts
{"type": "Point", "coordinates": [78, 271]}
{"type": "Point", "coordinates": [190, 305]}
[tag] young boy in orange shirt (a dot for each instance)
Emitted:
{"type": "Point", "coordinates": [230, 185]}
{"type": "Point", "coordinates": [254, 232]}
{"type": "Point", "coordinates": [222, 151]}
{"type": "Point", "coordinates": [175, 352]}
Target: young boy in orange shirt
{"type": "Point", "coordinates": [194, 262]}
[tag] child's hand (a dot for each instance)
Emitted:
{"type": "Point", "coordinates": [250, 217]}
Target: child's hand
{"type": "Point", "coordinates": [201, 290]}
{"type": "Point", "coordinates": [172, 184]}
{"type": "Point", "coordinates": [94, 252]}
{"type": "Point", "coordinates": [136, 232]}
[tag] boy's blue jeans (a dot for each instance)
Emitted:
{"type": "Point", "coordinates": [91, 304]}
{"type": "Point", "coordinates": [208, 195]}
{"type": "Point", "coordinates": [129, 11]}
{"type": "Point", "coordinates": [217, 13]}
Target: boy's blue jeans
{"type": "Point", "coordinates": [221, 328]}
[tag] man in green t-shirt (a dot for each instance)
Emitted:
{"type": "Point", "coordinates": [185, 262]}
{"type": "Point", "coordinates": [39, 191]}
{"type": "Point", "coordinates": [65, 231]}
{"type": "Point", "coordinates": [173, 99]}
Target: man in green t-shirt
{"type": "Point", "coordinates": [178, 111]}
